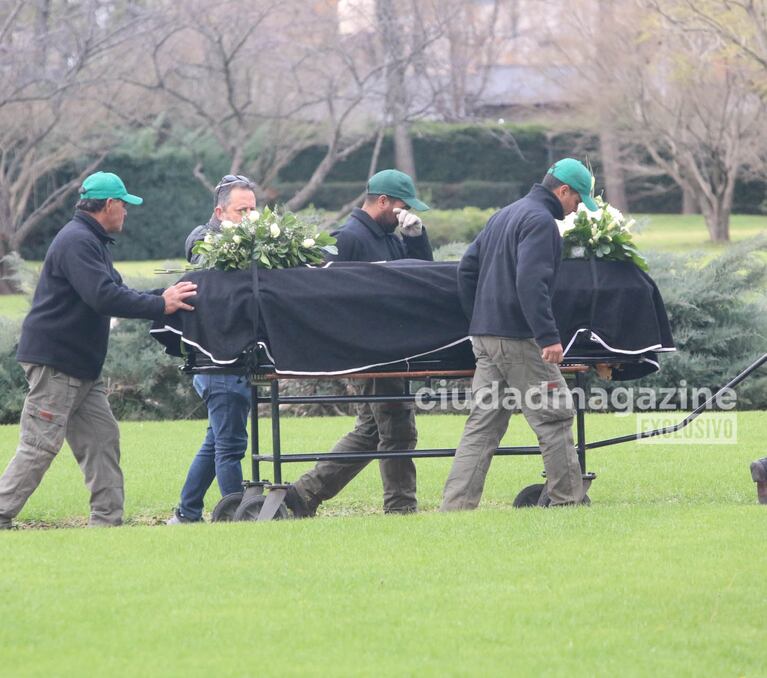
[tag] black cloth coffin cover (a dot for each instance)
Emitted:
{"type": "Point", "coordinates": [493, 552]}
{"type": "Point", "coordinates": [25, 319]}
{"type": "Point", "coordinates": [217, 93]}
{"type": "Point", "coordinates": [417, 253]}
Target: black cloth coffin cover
{"type": "Point", "coordinates": [353, 316]}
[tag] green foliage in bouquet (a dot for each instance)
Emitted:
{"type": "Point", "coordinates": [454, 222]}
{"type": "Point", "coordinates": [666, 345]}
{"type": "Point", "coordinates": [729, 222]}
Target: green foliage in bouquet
{"type": "Point", "coordinates": [605, 234]}
{"type": "Point", "coordinates": [267, 239]}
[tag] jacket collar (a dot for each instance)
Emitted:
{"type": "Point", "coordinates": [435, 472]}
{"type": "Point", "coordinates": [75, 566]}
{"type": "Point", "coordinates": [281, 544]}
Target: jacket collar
{"type": "Point", "coordinates": [363, 217]}
{"type": "Point", "coordinates": [94, 225]}
{"type": "Point", "coordinates": [543, 195]}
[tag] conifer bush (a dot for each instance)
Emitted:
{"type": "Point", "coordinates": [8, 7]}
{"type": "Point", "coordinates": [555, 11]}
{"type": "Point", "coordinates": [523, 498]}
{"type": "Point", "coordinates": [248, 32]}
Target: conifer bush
{"type": "Point", "coordinates": [717, 308]}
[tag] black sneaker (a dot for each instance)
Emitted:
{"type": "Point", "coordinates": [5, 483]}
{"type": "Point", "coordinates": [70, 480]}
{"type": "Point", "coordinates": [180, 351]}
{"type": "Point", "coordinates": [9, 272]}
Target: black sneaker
{"type": "Point", "coordinates": [297, 504]}
{"type": "Point", "coordinates": [179, 519]}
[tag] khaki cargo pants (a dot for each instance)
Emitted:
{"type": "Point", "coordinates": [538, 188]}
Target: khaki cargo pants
{"type": "Point", "coordinates": [60, 407]}
{"type": "Point", "coordinates": [504, 363]}
{"type": "Point", "coordinates": [379, 426]}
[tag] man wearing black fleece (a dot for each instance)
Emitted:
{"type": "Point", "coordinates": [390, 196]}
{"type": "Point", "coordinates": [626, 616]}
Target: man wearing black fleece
{"type": "Point", "coordinates": [505, 281]}
{"type": "Point", "coordinates": [370, 235]}
{"type": "Point", "coordinates": [62, 349]}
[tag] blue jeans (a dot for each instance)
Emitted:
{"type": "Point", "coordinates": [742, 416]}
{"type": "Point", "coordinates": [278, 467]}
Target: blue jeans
{"type": "Point", "coordinates": [227, 398]}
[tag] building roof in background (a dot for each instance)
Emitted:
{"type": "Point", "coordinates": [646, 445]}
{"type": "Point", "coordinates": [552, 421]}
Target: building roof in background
{"type": "Point", "coordinates": [522, 85]}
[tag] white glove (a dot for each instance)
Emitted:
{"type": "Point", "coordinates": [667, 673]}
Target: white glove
{"type": "Point", "coordinates": [409, 224]}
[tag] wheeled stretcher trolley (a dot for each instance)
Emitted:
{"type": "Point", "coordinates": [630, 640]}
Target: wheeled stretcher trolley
{"type": "Point", "coordinates": [402, 320]}
{"type": "Point", "coordinates": [263, 499]}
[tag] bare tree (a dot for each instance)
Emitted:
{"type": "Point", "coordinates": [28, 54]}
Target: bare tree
{"type": "Point", "coordinates": [264, 80]}
{"type": "Point", "coordinates": [393, 36]}
{"type": "Point", "coordinates": [739, 25]}
{"type": "Point", "coordinates": [696, 115]}
{"type": "Point", "coordinates": [52, 57]}
{"type": "Point", "coordinates": [456, 68]}
{"type": "Point", "coordinates": [675, 104]}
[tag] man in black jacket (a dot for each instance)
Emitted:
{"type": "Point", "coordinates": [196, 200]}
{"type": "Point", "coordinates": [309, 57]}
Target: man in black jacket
{"type": "Point", "coordinates": [62, 349]}
{"type": "Point", "coordinates": [370, 234]}
{"type": "Point", "coordinates": [506, 280]}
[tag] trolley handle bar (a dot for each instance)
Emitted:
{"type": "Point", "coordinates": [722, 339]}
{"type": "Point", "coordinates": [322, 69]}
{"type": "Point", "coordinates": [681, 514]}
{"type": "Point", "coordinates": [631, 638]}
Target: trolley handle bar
{"type": "Point", "coordinates": [693, 415]}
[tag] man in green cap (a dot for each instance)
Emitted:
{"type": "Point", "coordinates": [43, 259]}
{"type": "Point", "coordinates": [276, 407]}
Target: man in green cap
{"type": "Point", "coordinates": [383, 229]}
{"type": "Point", "coordinates": [62, 350]}
{"type": "Point", "coordinates": [506, 282]}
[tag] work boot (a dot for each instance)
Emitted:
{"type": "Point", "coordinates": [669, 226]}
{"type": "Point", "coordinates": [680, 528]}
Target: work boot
{"type": "Point", "coordinates": [759, 474]}
{"type": "Point", "coordinates": [406, 510]}
{"type": "Point", "coordinates": [297, 504]}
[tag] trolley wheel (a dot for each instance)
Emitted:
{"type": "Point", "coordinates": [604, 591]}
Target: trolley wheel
{"type": "Point", "coordinates": [250, 509]}
{"type": "Point", "coordinates": [529, 496]}
{"type": "Point", "coordinates": [224, 511]}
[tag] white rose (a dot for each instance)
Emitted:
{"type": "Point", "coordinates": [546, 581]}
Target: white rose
{"type": "Point", "coordinates": [274, 230]}
{"type": "Point", "coordinates": [309, 242]}
{"type": "Point", "coordinates": [566, 224]}
{"type": "Point", "coordinates": [227, 224]}
{"type": "Point", "coordinates": [236, 239]}
{"type": "Point", "coordinates": [209, 238]}
{"type": "Point", "coordinates": [254, 215]}
{"type": "Point", "coordinates": [630, 224]}
{"type": "Point", "coordinates": [617, 215]}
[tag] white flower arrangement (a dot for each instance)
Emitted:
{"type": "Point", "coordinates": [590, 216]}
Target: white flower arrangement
{"type": "Point", "coordinates": [266, 239]}
{"type": "Point", "coordinates": [604, 234]}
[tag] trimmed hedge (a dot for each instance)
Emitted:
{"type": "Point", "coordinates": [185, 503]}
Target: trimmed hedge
{"type": "Point", "coordinates": [174, 203]}
{"type": "Point", "coordinates": [483, 166]}
{"type": "Point", "coordinates": [446, 154]}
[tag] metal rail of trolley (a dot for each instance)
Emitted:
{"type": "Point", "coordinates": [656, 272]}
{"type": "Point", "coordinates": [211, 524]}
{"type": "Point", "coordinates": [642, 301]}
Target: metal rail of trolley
{"type": "Point", "coordinates": [265, 374]}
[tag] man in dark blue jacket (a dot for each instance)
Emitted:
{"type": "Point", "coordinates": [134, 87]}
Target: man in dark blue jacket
{"type": "Point", "coordinates": [506, 280]}
{"type": "Point", "coordinates": [62, 349]}
{"type": "Point", "coordinates": [381, 230]}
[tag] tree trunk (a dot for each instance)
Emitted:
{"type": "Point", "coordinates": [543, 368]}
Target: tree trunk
{"type": "Point", "coordinates": [404, 157]}
{"type": "Point", "coordinates": [396, 94]}
{"type": "Point", "coordinates": [7, 280]}
{"type": "Point", "coordinates": [717, 216]}
{"type": "Point", "coordinates": [615, 185]}
{"type": "Point", "coordinates": [690, 203]}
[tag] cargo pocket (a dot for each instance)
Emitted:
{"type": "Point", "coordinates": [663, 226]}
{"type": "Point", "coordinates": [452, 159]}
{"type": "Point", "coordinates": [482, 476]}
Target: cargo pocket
{"type": "Point", "coordinates": [548, 398]}
{"type": "Point", "coordinates": [43, 429]}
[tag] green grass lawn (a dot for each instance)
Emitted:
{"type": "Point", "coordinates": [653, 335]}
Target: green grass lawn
{"type": "Point", "coordinates": [676, 232]}
{"type": "Point", "coordinates": [662, 575]}
{"type": "Point", "coordinates": [14, 305]}
{"type": "Point", "coordinates": [142, 274]}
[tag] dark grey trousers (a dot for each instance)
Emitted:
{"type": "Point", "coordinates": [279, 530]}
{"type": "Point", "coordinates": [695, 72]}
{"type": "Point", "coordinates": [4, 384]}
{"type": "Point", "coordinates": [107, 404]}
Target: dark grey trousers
{"type": "Point", "coordinates": [516, 364]}
{"type": "Point", "coordinates": [60, 407]}
{"type": "Point", "coordinates": [379, 426]}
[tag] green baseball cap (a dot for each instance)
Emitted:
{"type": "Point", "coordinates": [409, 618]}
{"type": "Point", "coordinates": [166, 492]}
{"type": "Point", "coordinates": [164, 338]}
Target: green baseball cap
{"type": "Point", "coordinates": [575, 174]}
{"type": "Point", "coordinates": [102, 185]}
{"type": "Point", "coordinates": [397, 185]}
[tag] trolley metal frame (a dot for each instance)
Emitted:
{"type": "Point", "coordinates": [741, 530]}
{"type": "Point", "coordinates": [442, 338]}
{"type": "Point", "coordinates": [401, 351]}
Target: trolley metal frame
{"type": "Point", "coordinates": [272, 493]}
